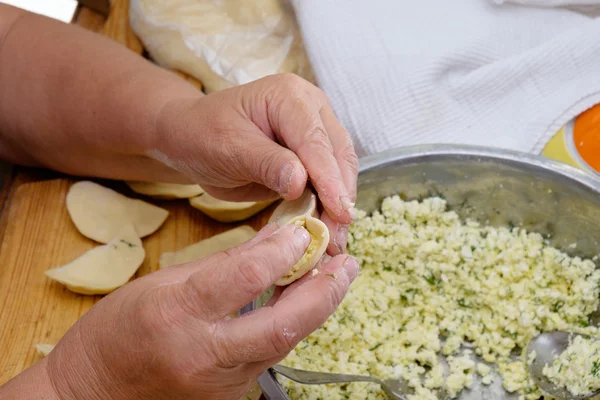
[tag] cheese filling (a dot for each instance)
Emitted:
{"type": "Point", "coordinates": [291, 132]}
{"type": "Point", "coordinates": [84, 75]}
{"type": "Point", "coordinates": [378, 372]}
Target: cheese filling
{"type": "Point", "coordinates": [433, 287]}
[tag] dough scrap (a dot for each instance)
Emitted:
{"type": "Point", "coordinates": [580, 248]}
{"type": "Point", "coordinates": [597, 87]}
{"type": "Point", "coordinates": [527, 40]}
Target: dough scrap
{"type": "Point", "coordinates": [161, 190]}
{"type": "Point", "coordinates": [99, 213]}
{"type": "Point", "coordinates": [207, 247]}
{"type": "Point", "coordinates": [104, 268]}
{"type": "Point", "coordinates": [303, 211]}
{"type": "Point", "coordinates": [228, 211]}
{"type": "Point", "coordinates": [44, 349]}
{"type": "Point", "coordinates": [222, 43]}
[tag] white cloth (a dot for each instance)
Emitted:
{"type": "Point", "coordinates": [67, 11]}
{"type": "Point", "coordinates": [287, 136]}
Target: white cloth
{"type": "Point", "coordinates": [402, 72]}
{"type": "Point", "coordinates": [549, 3]}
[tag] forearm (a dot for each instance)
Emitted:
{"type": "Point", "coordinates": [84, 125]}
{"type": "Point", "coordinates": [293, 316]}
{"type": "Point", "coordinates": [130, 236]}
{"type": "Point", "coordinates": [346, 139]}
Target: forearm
{"type": "Point", "coordinates": [77, 102]}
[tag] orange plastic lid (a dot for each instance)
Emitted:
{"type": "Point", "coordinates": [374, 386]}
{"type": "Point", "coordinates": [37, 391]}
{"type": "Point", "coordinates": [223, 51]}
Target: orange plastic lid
{"type": "Point", "coordinates": [586, 136]}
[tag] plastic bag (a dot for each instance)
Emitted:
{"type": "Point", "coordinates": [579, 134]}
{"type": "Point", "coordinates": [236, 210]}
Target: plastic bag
{"type": "Point", "coordinates": [221, 43]}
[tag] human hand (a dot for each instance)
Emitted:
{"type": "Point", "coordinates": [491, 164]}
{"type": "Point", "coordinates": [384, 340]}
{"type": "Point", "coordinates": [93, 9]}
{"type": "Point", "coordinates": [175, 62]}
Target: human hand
{"type": "Point", "coordinates": [168, 335]}
{"type": "Point", "coordinates": [264, 140]}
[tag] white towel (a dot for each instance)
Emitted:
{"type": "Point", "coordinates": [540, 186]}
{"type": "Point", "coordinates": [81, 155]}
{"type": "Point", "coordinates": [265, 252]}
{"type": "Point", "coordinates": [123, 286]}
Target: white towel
{"type": "Point", "coordinates": [402, 72]}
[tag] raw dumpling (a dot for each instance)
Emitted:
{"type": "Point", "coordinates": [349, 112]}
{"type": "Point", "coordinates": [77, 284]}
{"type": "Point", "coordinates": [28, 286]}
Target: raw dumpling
{"type": "Point", "coordinates": [104, 268]}
{"type": "Point", "coordinates": [306, 204]}
{"type": "Point", "coordinates": [228, 211]}
{"type": "Point", "coordinates": [162, 190]}
{"type": "Point", "coordinates": [303, 211]}
{"type": "Point", "coordinates": [319, 235]}
{"type": "Point", "coordinates": [100, 213]}
{"type": "Point", "coordinates": [206, 247]}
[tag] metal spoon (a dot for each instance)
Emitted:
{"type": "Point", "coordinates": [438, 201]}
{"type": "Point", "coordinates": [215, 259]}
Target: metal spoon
{"type": "Point", "coordinates": [547, 346]}
{"type": "Point", "coordinates": [394, 388]}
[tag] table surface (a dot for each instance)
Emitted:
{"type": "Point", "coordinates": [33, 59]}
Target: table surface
{"type": "Point", "coordinates": [36, 234]}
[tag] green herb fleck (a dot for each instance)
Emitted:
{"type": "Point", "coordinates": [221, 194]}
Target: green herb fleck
{"type": "Point", "coordinates": [463, 303]}
{"type": "Point", "coordinates": [332, 275]}
{"type": "Point", "coordinates": [128, 243]}
{"type": "Point", "coordinates": [557, 306]}
{"type": "Point", "coordinates": [431, 280]}
{"type": "Point", "coordinates": [596, 368]}
{"type": "Point", "coordinates": [375, 347]}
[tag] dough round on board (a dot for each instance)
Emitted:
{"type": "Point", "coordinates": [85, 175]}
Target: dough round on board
{"type": "Point", "coordinates": [228, 211]}
{"type": "Point", "coordinates": [100, 213]}
{"type": "Point", "coordinates": [104, 268]}
{"type": "Point", "coordinates": [161, 190]}
{"type": "Point", "coordinates": [303, 211]}
{"type": "Point", "coordinates": [221, 43]}
{"type": "Point", "coordinates": [204, 248]}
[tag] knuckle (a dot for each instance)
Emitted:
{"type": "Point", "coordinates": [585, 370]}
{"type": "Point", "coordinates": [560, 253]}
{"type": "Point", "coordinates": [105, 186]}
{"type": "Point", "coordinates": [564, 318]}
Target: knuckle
{"type": "Point", "coordinates": [285, 334]}
{"type": "Point", "coordinates": [291, 81]}
{"type": "Point", "coordinates": [254, 278]}
{"type": "Point", "coordinates": [317, 138]}
{"type": "Point", "coordinates": [350, 157]}
{"type": "Point", "coordinates": [335, 294]}
{"type": "Point", "coordinates": [267, 170]}
{"type": "Point", "coordinates": [288, 250]}
{"type": "Point", "coordinates": [322, 96]}
{"type": "Point", "coordinates": [232, 252]}
{"type": "Point", "coordinates": [224, 353]}
{"type": "Point", "coordinates": [152, 315]}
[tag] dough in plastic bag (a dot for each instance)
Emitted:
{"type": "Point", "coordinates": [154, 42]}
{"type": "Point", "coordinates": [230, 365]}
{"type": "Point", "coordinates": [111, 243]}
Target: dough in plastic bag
{"type": "Point", "coordinates": [221, 43]}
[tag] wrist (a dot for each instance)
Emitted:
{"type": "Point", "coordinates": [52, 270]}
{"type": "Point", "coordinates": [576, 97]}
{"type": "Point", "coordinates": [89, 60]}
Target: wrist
{"type": "Point", "coordinates": [171, 140]}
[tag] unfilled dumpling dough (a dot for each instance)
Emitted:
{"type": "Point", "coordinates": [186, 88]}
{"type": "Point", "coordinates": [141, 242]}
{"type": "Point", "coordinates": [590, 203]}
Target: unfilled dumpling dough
{"type": "Point", "coordinates": [162, 190]}
{"type": "Point", "coordinates": [221, 43]}
{"type": "Point", "coordinates": [228, 211]}
{"type": "Point", "coordinates": [100, 213]}
{"type": "Point", "coordinates": [204, 248]}
{"type": "Point", "coordinates": [104, 268]}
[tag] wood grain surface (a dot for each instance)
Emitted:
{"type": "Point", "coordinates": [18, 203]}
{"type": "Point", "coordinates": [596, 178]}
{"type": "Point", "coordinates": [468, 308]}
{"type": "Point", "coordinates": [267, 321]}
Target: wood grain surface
{"type": "Point", "coordinates": [40, 235]}
{"type": "Point", "coordinates": [118, 28]}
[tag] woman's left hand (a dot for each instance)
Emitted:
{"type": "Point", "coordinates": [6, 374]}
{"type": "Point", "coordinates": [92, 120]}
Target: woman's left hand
{"type": "Point", "coordinates": [263, 140]}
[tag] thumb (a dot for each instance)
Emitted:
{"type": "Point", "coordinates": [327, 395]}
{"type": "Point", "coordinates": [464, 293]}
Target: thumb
{"type": "Point", "coordinates": [274, 166]}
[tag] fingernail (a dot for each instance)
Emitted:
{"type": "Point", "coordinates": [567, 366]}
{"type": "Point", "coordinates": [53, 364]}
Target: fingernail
{"type": "Point", "coordinates": [341, 238]}
{"type": "Point", "coordinates": [302, 235]}
{"type": "Point", "coordinates": [351, 267]}
{"type": "Point", "coordinates": [285, 179]}
{"type": "Point", "coordinates": [348, 205]}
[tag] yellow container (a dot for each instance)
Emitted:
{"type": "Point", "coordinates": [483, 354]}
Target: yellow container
{"type": "Point", "coordinates": [578, 142]}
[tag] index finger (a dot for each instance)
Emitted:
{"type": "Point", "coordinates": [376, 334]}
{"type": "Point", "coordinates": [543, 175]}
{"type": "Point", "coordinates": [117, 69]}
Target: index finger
{"type": "Point", "coordinates": [229, 282]}
{"type": "Point", "coordinates": [343, 150]}
{"type": "Point", "coordinates": [298, 124]}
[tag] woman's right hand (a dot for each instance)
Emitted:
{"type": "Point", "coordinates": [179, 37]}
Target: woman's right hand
{"type": "Point", "coordinates": [169, 335]}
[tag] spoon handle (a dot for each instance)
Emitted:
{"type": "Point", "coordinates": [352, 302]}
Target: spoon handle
{"type": "Point", "coordinates": [317, 378]}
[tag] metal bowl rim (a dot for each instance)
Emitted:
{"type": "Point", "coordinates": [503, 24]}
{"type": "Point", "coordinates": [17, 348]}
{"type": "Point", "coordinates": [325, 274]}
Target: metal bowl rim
{"type": "Point", "coordinates": [488, 153]}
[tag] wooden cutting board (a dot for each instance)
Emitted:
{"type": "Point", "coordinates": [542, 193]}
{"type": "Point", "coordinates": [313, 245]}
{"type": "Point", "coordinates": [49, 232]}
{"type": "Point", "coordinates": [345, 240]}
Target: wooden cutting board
{"type": "Point", "coordinates": [40, 235]}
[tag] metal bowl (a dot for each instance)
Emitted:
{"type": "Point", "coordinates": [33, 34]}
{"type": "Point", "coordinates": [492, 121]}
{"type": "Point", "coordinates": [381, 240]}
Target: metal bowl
{"type": "Point", "coordinates": [495, 187]}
